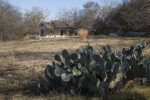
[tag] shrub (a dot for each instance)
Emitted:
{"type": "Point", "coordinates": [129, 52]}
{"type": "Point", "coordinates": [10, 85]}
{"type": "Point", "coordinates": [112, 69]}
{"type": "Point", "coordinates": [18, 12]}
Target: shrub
{"type": "Point", "coordinates": [83, 33]}
{"type": "Point", "coordinates": [88, 72]}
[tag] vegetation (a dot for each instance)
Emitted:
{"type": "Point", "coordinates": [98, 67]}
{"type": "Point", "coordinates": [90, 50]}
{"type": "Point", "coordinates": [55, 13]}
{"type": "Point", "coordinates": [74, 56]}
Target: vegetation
{"type": "Point", "coordinates": [128, 16]}
{"type": "Point", "coordinates": [100, 73]}
{"type": "Point", "coordinates": [83, 33]}
{"type": "Point", "coordinates": [10, 18]}
{"type": "Point", "coordinates": [19, 60]}
{"type": "Point", "coordinates": [86, 73]}
{"type": "Point", "coordinates": [14, 25]}
{"type": "Point", "coordinates": [131, 16]}
{"type": "Point", "coordinates": [111, 17]}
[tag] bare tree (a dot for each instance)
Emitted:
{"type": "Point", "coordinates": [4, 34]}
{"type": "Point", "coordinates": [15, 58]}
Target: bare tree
{"type": "Point", "coordinates": [103, 21]}
{"type": "Point", "coordinates": [132, 15]}
{"type": "Point", "coordinates": [140, 14]}
{"type": "Point", "coordinates": [90, 13]}
{"type": "Point", "coordinates": [75, 17]}
{"type": "Point", "coordinates": [80, 18]}
{"type": "Point", "coordinates": [33, 18]}
{"type": "Point", "coordinates": [63, 14]}
{"type": "Point", "coordinates": [10, 18]}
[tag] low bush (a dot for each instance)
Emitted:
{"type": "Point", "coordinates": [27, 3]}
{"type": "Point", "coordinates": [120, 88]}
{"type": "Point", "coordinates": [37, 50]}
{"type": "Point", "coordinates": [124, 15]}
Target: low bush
{"type": "Point", "coordinates": [83, 33]}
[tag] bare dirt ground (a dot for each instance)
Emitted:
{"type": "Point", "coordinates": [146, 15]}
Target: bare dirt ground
{"type": "Point", "coordinates": [21, 62]}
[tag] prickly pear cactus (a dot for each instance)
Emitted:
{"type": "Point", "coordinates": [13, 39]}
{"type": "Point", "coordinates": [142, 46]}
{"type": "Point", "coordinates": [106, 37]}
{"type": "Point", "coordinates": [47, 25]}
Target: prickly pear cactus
{"type": "Point", "coordinates": [86, 71]}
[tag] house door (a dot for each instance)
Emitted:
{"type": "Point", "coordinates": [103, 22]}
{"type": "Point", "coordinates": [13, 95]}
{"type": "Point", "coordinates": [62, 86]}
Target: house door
{"type": "Point", "coordinates": [42, 32]}
{"type": "Point", "coordinates": [61, 34]}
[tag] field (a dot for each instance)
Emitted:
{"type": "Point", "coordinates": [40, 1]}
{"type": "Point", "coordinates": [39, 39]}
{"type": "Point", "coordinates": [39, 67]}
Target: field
{"type": "Point", "coordinates": [22, 62]}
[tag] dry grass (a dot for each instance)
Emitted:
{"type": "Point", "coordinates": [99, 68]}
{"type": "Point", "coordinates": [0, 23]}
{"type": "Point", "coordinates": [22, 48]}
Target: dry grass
{"type": "Point", "coordinates": [22, 61]}
{"type": "Point", "coordinates": [83, 33]}
{"type": "Point", "coordinates": [134, 93]}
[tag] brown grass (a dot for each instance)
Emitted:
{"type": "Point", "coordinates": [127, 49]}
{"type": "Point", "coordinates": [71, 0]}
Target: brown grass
{"type": "Point", "coordinates": [22, 61]}
{"type": "Point", "coordinates": [83, 33]}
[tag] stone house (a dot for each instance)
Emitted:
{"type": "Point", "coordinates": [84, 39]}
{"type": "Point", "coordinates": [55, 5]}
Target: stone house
{"type": "Point", "coordinates": [55, 28]}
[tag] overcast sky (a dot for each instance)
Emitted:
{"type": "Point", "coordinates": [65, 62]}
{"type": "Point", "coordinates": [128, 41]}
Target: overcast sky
{"type": "Point", "coordinates": [52, 5]}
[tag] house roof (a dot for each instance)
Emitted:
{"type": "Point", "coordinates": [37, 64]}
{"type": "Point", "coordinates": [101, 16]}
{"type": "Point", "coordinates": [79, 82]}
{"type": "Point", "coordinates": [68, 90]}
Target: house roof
{"type": "Point", "coordinates": [56, 24]}
{"type": "Point", "coordinates": [48, 25]}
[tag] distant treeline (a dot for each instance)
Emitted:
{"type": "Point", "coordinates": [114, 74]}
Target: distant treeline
{"type": "Point", "coordinates": [129, 16]}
